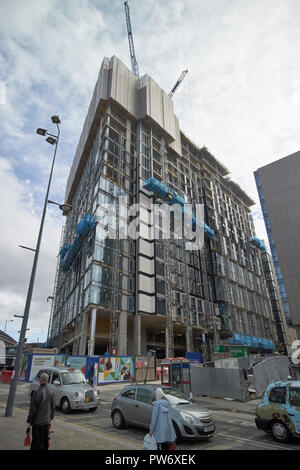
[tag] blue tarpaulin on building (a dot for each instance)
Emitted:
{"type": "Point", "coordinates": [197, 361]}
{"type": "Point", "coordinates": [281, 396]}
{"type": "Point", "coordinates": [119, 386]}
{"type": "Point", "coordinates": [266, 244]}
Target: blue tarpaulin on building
{"type": "Point", "coordinates": [252, 342]}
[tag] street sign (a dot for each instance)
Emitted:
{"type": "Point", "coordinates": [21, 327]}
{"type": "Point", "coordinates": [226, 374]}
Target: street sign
{"type": "Point", "coordinates": [234, 351]}
{"type": "Point", "coordinates": [239, 351]}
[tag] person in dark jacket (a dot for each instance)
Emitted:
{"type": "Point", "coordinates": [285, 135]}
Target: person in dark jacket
{"type": "Point", "coordinates": [161, 423]}
{"type": "Point", "coordinates": [41, 413]}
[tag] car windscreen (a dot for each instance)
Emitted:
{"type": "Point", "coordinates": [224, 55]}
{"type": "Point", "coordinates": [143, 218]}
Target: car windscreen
{"type": "Point", "coordinates": [175, 397]}
{"type": "Point", "coordinates": [69, 378]}
{"type": "Point", "coordinates": [294, 396]}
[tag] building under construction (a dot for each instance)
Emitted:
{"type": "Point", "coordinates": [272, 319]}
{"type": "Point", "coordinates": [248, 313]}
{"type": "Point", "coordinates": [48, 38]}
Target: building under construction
{"type": "Point", "coordinates": [148, 292]}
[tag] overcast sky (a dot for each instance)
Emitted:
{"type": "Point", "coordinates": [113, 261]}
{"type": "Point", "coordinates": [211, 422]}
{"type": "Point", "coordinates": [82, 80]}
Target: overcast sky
{"type": "Point", "coordinates": [241, 99]}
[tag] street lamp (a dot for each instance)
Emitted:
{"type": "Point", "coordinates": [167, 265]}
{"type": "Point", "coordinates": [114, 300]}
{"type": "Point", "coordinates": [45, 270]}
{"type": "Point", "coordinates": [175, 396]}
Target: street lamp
{"type": "Point", "coordinates": [13, 385]}
{"type": "Point", "coordinates": [65, 208]}
{"type": "Point", "coordinates": [6, 324]}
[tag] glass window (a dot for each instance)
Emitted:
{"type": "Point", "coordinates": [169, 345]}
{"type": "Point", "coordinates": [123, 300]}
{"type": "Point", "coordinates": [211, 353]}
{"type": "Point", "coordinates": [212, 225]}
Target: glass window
{"type": "Point", "coordinates": [160, 268]}
{"type": "Point", "coordinates": [165, 375]}
{"type": "Point", "coordinates": [161, 306]}
{"type": "Point", "coordinates": [129, 394]}
{"type": "Point", "coordinates": [145, 396]}
{"type": "Point", "coordinates": [159, 251]}
{"type": "Point", "coordinates": [55, 376]}
{"type": "Point", "coordinates": [294, 396]}
{"type": "Point", "coordinates": [160, 286]}
{"type": "Point", "coordinates": [277, 395]}
{"type": "Point", "coordinates": [175, 397]}
{"type": "Point", "coordinates": [75, 377]}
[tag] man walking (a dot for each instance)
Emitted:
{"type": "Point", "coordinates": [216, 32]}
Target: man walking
{"type": "Point", "coordinates": [41, 413]}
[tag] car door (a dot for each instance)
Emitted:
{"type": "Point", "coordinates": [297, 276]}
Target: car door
{"type": "Point", "coordinates": [144, 406]}
{"type": "Point", "coordinates": [127, 405]}
{"type": "Point", "coordinates": [278, 403]}
{"type": "Point", "coordinates": [294, 410]}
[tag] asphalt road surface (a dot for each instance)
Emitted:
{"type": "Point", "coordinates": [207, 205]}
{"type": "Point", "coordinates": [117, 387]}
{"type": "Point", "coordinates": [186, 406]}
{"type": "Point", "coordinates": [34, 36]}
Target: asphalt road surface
{"type": "Point", "coordinates": [234, 431]}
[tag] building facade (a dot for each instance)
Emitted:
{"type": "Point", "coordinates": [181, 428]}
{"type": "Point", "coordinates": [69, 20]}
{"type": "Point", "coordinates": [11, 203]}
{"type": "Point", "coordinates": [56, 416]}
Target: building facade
{"type": "Point", "coordinates": [283, 334]}
{"type": "Point", "coordinates": [279, 192]}
{"type": "Point", "coordinates": [147, 291]}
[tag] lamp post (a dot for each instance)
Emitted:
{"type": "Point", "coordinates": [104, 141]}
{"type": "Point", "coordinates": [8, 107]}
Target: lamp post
{"type": "Point", "coordinates": [53, 140]}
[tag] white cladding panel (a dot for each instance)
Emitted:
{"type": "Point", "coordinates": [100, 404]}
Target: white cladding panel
{"type": "Point", "coordinates": [145, 201]}
{"type": "Point", "coordinates": [146, 265]}
{"type": "Point", "coordinates": [146, 303]}
{"type": "Point", "coordinates": [146, 232]}
{"type": "Point", "coordinates": [146, 248]}
{"type": "Point", "coordinates": [146, 284]}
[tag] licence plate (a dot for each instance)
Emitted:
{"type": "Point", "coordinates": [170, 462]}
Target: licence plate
{"type": "Point", "coordinates": [209, 428]}
{"type": "Point", "coordinates": [87, 400]}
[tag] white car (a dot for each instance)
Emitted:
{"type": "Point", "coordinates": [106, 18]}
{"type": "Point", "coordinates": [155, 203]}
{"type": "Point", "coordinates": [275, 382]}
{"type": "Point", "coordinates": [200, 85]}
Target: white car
{"type": "Point", "coordinates": [70, 387]}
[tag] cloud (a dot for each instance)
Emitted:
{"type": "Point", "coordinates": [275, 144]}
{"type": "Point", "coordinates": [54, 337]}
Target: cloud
{"type": "Point", "coordinates": [240, 99]}
{"type": "Point", "coordinates": [20, 225]}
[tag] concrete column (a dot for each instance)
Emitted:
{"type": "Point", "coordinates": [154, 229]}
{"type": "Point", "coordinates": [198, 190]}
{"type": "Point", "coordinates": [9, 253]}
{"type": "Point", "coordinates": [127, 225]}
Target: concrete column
{"type": "Point", "coordinates": [92, 332]}
{"type": "Point", "coordinates": [138, 334]}
{"type": "Point", "coordinates": [167, 353]}
{"type": "Point", "coordinates": [122, 335]}
{"type": "Point", "coordinates": [82, 345]}
{"type": "Point", "coordinates": [189, 339]}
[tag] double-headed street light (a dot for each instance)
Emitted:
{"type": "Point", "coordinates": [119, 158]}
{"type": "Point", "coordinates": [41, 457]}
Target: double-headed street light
{"type": "Point", "coordinates": [52, 139]}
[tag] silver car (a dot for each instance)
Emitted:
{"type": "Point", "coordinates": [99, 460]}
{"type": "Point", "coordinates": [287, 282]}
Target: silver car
{"type": "Point", "coordinates": [70, 387]}
{"type": "Point", "coordinates": [134, 406]}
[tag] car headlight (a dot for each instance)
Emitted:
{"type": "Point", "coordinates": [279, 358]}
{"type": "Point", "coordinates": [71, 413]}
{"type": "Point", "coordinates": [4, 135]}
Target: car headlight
{"type": "Point", "coordinates": [98, 393]}
{"type": "Point", "coordinates": [188, 418]}
{"type": "Point", "coordinates": [76, 394]}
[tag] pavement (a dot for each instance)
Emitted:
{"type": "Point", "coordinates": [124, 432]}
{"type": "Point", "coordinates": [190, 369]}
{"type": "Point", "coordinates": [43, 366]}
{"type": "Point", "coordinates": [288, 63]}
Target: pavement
{"type": "Point", "coordinates": [74, 436]}
{"type": "Point", "coordinates": [67, 436]}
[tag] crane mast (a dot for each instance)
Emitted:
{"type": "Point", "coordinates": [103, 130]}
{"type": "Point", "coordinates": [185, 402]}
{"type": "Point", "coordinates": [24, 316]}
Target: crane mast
{"type": "Point", "coordinates": [134, 64]}
{"type": "Point", "coordinates": [178, 83]}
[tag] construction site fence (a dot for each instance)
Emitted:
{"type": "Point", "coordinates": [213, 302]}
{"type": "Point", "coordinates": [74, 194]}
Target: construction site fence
{"type": "Point", "coordinates": [219, 382]}
{"type": "Point", "coordinates": [96, 369]}
{"type": "Point", "coordinates": [145, 369]}
{"type": "Point", "coordinates": [269, 370]}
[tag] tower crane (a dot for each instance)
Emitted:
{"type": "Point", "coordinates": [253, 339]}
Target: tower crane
{"type": "Point", "coordinates": [134, 64]}
{"type": "Point", "coordinates": [178, 83]}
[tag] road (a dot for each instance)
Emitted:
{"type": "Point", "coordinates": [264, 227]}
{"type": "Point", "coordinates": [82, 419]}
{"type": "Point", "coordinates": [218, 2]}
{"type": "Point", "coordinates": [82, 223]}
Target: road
{"type": "Point", "coordinates": [234, 430]}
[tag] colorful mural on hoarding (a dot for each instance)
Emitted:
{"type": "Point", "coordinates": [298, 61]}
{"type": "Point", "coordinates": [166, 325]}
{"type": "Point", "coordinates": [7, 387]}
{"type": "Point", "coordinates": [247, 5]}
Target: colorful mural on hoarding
{"type": "Point", "coordinates": [112, 369]}
{"type": "Point", "coordinates": [32, 363]}
{"type": "Point", "coordinates": [77, 362]}
{"type": "Point", "coordinates": [38, 362]}
{"type": "Point", "coordinates": [105, 369]}
{"type": "Point", "coordinates": [24, 367]}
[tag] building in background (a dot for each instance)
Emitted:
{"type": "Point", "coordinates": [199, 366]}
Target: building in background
{"type": "Point", "coordinates": [278, 186]}
{"type": "Point", "coordinates": [133, 295]}
{"type": "Point", "coordinates": [283, 334]}
{"type": "Point", "coordinates": [7, 340]}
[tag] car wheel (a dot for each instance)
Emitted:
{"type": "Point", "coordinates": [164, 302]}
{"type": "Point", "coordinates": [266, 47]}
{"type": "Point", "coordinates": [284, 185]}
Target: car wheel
{"type": "Point", "coordinates": [279, 431]}
{"type": "Point", "coordinates": [178, 435]}
{"type": "Point", "coordinates": [93, 409]}
{"type": "Point", "coordinates": [118, 420]}
{"type": "Point", "coordinates": [65, 406]}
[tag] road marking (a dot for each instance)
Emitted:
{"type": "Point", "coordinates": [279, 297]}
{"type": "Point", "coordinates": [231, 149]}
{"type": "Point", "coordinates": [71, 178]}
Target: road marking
{"type": "Point", "coordinates": [264, 444]}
